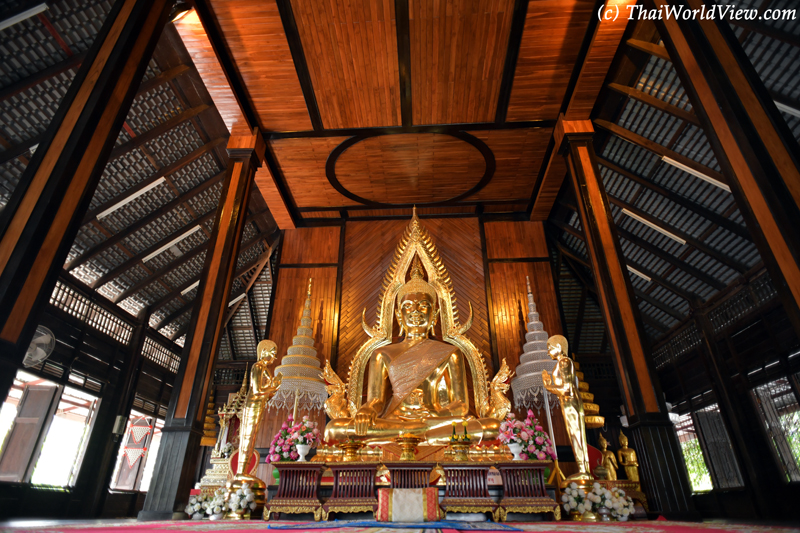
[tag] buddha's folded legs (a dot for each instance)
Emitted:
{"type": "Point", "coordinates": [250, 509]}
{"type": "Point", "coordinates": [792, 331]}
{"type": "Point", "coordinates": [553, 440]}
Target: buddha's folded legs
{"type": "Point", "coordinates": [434, 431]}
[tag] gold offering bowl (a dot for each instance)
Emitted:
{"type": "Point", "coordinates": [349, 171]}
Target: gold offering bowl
{"type": "Point", "coordinates": [460, 451]}
{"type": "Point", "coordinates": [351, 448]}
{"type": "Point", "coordinates": [408, 444]}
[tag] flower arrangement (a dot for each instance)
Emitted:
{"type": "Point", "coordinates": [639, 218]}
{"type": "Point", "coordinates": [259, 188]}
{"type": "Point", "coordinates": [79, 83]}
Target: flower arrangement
{"type": "Point", "coordinates": [216, 504]}
{"type": "Point", "coordinates": [206, 504]}
{"type": "Point", "coordinates": [195, 507]}
{"type": "Point", "coordinates": [243, 499]}
{"type": "Point", "coordinates": [284, 444]}
{"type": "Point", "coordinates": [529, 434]}
{"type": "Point", "coordinates": [575, 499]}
{"type": "Point", "coordinates": [615, 500]}
{"type": "Point", "coordinates": [227, 449]}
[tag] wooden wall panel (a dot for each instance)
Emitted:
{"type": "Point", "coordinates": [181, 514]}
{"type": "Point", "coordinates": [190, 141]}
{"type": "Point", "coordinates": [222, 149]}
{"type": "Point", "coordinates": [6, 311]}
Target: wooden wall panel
{"type": "Point", "coordinates": [205, 60]}
{"type": "Point", "coordinates": [510, 304]}
{"type": "Point", "coordinates": [302, 163]}
{"type": "Point", "coordinates": [351, 52]}
{"type": "Point", "coordinates": [310, 245]}
{"type": "Point", "coordinates": [515, 240]}
{"type": "Point", "coordinates": [409, 168]}
{"type": "Point", "coordinates": [551, 41]}
{"type": "Point", "coordinates": [369, 247]}
{"type": "Point", "coordinates": [254, 33]}
{"type": "Point", "coordinates": [458, 51]}
{"type": "Point", "coordinates": [518, 157]}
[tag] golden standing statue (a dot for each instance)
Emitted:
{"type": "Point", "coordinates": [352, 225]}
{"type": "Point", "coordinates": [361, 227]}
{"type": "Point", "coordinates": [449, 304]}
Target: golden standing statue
{"type": "Point", "coordinates": [262, 388]}
{"type": "Point", "coordinates": [627, 459]}
{"type": "Point", "coordinates": [563, 382]}
{"type": "Point", "coordinates": [608, 461]}
{"type": "Point", "coordinates": [418, 386]}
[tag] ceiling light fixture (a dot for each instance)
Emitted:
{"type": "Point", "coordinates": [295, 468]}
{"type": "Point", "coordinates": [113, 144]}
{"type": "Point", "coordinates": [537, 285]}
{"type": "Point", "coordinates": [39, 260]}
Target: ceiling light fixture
{"type": "Point", "coordinates": [19, 17]}
{"type": "Point", "coordinates": [131, 198]}
{"type": "Point", "coordinates": [173, 241]}
{"type": "Point", "coordinates": [236, 299]}
{"type": "Point", "coordinates": [643, 276]}
{"type": "Point", "coordinates": [655, 227]}
{"type": "Point", "coordinates": [190, 287]}
{"type": "Point", "coordinates": [695, 173]}
{"type": "Point", "coordinates": [787, 109]}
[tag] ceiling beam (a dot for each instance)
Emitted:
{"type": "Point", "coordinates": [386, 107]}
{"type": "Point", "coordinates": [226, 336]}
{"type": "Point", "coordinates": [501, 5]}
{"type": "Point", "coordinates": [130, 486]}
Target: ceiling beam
{"type": "Point", "coordinates": [169, 169]}
{"type": "Point", "coordinates": [149, 135]}
{"type": "Point", "coordinates": [271, 192]}
{"type": "Point", "coordinates": [690, 240]}
{"type": "Point", "coordinates": [300, 64]}
{"type": "Point", "coordinates": [18, 149]}
{"type": "Point", "coordinates": [769, 31]}
{"type": "Point", "coordinates": [167, 320]}
{"type": "Point", "coordinates": [142, 222]}
{"type": "Point", "coordinates": [658, 304]}
{"type": "Point", "coordinates": [259, 265]}
{"type": "Point", "coordinates": [651, 48]}
{"type": "Point", "coordinates": [403, 27]}
{"type": "Point", "coordinates": [512, 54]}
{"type": "Point", "coordinates": [391, 130]}
{"type": "Point", "coordinates": [43, 75]}
{"type": "Point", "coordinates": [711, 216]}
{"type": "Point", "coordinates": [655, 102]}
{"type": "Point", "coordinates": [164, 77]}
{"type": "Point", "coordinates": [658, 149]}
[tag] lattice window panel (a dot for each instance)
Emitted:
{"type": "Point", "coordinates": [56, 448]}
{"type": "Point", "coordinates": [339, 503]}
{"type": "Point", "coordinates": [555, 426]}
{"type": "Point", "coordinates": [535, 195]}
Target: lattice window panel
{"type": "Point", "coordinates": [159, 354]}
{"type": "Point", "coordinates": [699, 475]}
{"type": "Point", "coordinates": [779, 413]}
{"type": "Point", "coordinates": [69, 300]}
{"type": "Point", "coordinates": [717, 447]}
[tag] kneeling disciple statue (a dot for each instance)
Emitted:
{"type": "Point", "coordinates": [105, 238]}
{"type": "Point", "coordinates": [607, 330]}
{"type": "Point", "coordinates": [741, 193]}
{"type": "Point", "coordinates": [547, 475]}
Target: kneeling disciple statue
{"type": "Point", "coordinates": [418, 386]}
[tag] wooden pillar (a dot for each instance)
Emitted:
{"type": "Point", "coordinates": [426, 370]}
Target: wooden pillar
{"type": "Point", "coordinates": [40, 222]}
{"type": "Point", "coordinates": [754, 147]}
{"type": "Point", "coordinates": [180, 444]}
{"type": "Point", "coordinates": [662, 469]}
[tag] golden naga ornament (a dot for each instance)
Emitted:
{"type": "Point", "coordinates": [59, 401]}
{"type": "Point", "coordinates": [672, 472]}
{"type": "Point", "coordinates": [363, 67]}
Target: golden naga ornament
{"type": "Point", "coordinates": [563, 382]}
{"type": "Point", "coordinates": [418, 385]}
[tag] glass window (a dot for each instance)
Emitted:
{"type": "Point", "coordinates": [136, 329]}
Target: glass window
{"type": "Point", "coordinates": [150, 459]}
{"type": "Point", "coordinates": [718, 449]}
{"type": "Point", "coordinates": [699, 476]}
{"type": "Point", "coordinates": [780, 416]}
{"type": "Point", "coordinates": [66, 439]}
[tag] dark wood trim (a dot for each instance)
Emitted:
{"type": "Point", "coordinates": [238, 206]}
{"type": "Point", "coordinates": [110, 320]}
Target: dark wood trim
{"type": "Point", "coordinates": [769, 31]}
{"type": "Point", "coordinates": [338, 298]}
{"type": "Point", "coordinates": [169, 169]}
{"type": "Point", "coordinates": [41, 76]}
{"type": "Point", "coordinates": [403, 26]}
{"type": "Point", "coordinates": [164, 77]}
{"type": "Point", "coordinates": [548, 154]}
{"type": "Point", "coordinates": [250, 305]}
{"type": "Point", "coordinates": [142, 222]}
{"type": "Point", "coordinates": [185, 308]}
{"type": "Point", "coordinates": [300, 64]}
{"type": "Point", "coordinates": [690, 297]}
{"type": "Point", "coordinates": [690, 240]}
{"type": "Point", "coordinates": [512, 54]}
{"type": "Point", "coordinates": [488, 287]}
{"type": "Point", "coordinates": [469, 207]}
{"type": "Point", "coordinates": [651, 48]}
{"type": "Point", "coordinates": [486, 152]}
{"type": "Point", "coordinates": [431, 128]}
{"type": "Point", "coordinates": [586, 45]}
{"type": "Point", "coordinates": [275, 275]}
{"type": "Point", "coordinates": [309, 265]}
{"type": "Point", "coordinates": [230, 343]}
{"type": "Point", "coordinates": [682, 201]}
{"type": "Point", "coordinates": [20, 149]}
{"type": "Point", "coordinates": [283, 188]}
{"type": "Point", "coordinates": [161, 129]}
{"type": "Point", "coordinates": [516, 216]}
{"type": "Point", "coordinates": [521, 260]}
{"type": "Point", "coordinates": [225, 58]}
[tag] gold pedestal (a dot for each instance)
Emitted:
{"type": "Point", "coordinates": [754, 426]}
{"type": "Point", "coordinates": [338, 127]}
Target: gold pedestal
{"type": "Point", "coordinates": [217, 476]}
{"type": "Point", "coordinates": [460, 451]}
{"type": "Point", "coordinates": [351, 449]}
{"type": "Point", "coordinates": [259, 489]}
{"type": "Point", "coordinates": [408, 444]}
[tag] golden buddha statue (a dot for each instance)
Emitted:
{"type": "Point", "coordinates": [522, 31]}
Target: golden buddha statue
{"type": "Point", "coordinates": [607, 460]}
{"type": "Point", "coordinates": [563, 382]}
{"type": "Point", "coordinates": [627, 459]}
{"type": "Point", "coordinates": [261, 390]}
{"type": "Point", "coordinates": [418, 386]}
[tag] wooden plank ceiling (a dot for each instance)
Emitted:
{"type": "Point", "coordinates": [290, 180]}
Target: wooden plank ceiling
{"type": "Point", "coordinates": [382, 104]}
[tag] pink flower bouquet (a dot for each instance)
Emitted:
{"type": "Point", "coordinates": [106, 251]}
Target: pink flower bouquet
{"type": "Point", "coordinates": [529, 434]}
{"type": "Point", "coordinates": [284, 444]}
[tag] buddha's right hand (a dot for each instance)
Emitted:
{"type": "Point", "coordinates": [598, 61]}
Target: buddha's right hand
{"type": "Point", "coordinates": [365, 417]}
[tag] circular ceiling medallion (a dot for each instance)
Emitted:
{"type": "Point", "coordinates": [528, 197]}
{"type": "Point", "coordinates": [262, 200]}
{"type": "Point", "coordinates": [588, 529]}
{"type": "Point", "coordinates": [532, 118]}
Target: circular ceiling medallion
{"type": "Point", "coordinates": [410, 168]}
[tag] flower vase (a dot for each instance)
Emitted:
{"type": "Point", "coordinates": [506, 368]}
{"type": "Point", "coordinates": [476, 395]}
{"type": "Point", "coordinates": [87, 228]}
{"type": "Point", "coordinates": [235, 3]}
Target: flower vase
{"type": "Point", "coordinates": [276, 474]}
{"type": "Point", "coordinates": [217, 516]}
{"type": "Point", "coordinates": [516, 449]}
{"type": "Point", "coordinates": [302, 451]}
{"type": "Point", "coordinates": [575, 515]}
{"type": "Point", "coordinates": [197, 516]}
{"type": "Point", "coordinates": [604, 514]}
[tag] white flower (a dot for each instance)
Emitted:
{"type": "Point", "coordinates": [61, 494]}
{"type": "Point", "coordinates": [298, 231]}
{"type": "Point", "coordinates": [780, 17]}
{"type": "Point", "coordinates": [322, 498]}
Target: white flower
{"type": "Point", "coordinates": [188, 509]}
{"type": "Point", "coordinates": [253, 506]}
{"type": "Point", "coordinates": [251, 496]}
{"type": "Point", "coordinates": [581, 508]}
{"type": "Point", "coordinates": [566, 507]}
{"type": "Point", "coordinates": [607, 503]}
{"type": "Point", "coordinates": [193, 500]}
{"type": "Point", "coordinates": [564, 498]}
{"type": "Point", "coordinates": [574, 485]}
{"type": "Point", "coordinates": [625, 512]}
{"type": "Point", "coordinates": [596, 485]}
{"type": "Point", "coordinates": [572, 504]}
{"type": "Point", "coordinates": [581, 493]}
{"type": "Point", "coordinates": [217, 509]}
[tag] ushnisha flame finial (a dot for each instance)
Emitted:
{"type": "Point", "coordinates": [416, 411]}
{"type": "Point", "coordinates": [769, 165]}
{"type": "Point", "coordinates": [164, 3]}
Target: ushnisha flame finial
{"type": "Point", "coordinates": [308, 292]}
{"type": "Point", "coordinates": [528, 281]}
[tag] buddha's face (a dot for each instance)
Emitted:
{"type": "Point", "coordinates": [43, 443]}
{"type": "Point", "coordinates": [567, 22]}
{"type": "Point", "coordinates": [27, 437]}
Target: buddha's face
{"type": "Point", "coordinates": [623, 441]}
{"type": "Point", "coordinates": [416, 313]}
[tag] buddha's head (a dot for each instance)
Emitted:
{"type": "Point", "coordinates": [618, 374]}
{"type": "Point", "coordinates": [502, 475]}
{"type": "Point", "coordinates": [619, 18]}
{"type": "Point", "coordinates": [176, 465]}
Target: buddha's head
{"type": "Point", "coordinates": [623, 440]}
{"type": "Point", "coordinates": [267, 351]}
{"type": "Point", "coordinates": [416, 303]}
{"type": "Point", "coordinates": [602, 443]}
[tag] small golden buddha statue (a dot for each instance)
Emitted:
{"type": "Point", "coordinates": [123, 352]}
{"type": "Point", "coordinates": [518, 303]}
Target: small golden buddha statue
{"type": "Point", "coordinates": [627, 459]}
{"type": "Point", "coordinates": [261, 390]}
{"type": "Point", "coordinates": [563, 382]}
{"type": "Point", "coordinates": [417, 386]}
{"type": "Point", "coordinates": [607, 460]}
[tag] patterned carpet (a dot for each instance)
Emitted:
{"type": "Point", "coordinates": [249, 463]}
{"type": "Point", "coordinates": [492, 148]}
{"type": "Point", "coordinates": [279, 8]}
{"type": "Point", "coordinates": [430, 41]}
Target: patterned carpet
{"type": "Point", "coordinates": [130, 526]}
